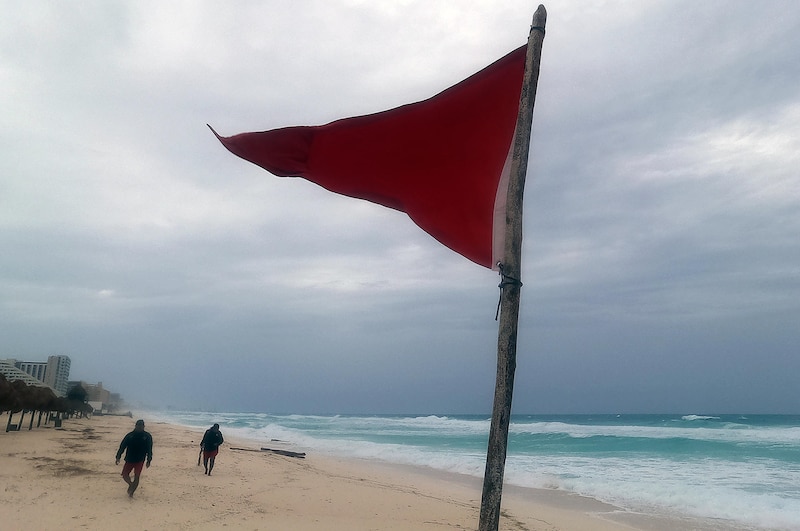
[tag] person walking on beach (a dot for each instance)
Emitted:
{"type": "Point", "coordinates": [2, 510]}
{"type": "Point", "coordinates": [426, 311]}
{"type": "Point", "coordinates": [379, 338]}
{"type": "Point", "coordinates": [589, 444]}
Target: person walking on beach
{"type": "Point", "coordinates": [137, 446]}
{"type": "Point", "coordinates": [210, 446]}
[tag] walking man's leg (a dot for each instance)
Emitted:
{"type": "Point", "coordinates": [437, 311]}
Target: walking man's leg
{"type": "Point", "coordinates": [126, 475]}
{"type": "Point", "coordinates": [134, 484]}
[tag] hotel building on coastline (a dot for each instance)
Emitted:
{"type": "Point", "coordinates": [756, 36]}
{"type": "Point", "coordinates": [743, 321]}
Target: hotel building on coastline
{"type": "Point", "coordinates": [53, 373]}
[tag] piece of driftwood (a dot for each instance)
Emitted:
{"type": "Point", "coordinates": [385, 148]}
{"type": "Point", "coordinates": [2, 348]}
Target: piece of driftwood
{"type": "Point", "coordinates": [287, 453]}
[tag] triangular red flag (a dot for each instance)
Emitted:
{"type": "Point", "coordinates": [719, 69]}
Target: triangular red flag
{"type": "Point", "coordinates": [444, 161]}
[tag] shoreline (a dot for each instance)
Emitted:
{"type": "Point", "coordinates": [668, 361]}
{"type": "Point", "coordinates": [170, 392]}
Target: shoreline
{"type": "Point", "coordinates": [66, 477]}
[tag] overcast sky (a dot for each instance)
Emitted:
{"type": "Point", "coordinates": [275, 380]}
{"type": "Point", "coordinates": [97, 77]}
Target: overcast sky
{"type": "Point", "coordinates": [661, 264]}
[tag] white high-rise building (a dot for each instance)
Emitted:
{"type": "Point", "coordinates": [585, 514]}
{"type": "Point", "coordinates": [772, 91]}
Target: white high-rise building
{"type": "Point", "coordinates": [37, 369]}
{"type": "Point", "coordinates": [57, 373]}
{"type": "Point", "coordinates": [54, 372]}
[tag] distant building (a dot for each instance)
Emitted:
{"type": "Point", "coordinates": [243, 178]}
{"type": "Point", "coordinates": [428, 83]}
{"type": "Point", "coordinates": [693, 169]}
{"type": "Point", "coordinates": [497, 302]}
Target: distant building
{"type": "Point", "coordinates": [54, 372]}
{"type": "Point", "coordinates": [99, 398]}
{"type": "Point", "coordinates": [37, 369]}
{"type": "Point", "coordinates": [96, 393]}
{"type": "Point", "coordinates": [12, 373]}
{"type": "Point", "coordinates": [57, 374]}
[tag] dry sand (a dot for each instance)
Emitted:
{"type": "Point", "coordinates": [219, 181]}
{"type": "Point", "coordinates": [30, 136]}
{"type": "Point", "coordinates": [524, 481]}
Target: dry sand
{"type": "Point", "coordinates": [65, 478]}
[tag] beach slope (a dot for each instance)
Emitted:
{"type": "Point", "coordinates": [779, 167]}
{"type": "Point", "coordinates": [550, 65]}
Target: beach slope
{"type": "Point", "coordinates": [65, 478]}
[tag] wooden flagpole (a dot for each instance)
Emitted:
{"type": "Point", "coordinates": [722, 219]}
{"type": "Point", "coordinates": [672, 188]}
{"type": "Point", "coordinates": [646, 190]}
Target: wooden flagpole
{"type": "Point", "coordinates": [510, 285]}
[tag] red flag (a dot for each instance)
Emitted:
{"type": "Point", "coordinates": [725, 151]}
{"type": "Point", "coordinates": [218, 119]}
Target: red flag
{"type": "Point", "coordinates": [444, 161]}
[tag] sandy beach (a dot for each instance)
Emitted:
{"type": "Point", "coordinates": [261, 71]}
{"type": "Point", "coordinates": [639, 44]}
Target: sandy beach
{"type": "Point", "coordinates": [65, 478]}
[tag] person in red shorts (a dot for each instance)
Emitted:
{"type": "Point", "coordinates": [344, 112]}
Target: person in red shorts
{"type": "Point", "coordinates": [210, 445]}
{"type": "Point", "coordinates": [138, 446]}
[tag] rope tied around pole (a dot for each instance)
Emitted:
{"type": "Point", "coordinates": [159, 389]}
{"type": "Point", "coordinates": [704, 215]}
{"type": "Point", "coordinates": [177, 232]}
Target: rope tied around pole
{"type": "Point", "coordinates": [505, 280]}
{"type": "Point", "coordinates": [538, 28]}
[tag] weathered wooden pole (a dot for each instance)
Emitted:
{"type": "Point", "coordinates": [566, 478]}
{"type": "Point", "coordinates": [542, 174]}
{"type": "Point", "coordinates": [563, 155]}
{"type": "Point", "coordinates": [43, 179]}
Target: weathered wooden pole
{"type": "Point", "coordinates": [510, 286]}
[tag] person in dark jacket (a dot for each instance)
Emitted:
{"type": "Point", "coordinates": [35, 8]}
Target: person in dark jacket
{"type": "Point", "coordinates": [210, 446]}
{"type": "Point", "coordinates": [138, 446]}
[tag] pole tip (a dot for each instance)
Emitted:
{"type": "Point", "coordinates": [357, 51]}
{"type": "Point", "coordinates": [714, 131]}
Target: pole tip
{"type": "Point", "coordinates": [540, 16]}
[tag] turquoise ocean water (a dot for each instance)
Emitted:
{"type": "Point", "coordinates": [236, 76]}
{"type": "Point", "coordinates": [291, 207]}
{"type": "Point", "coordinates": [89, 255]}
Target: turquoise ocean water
{"type": "Point", "coordinates": [741, 468]}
